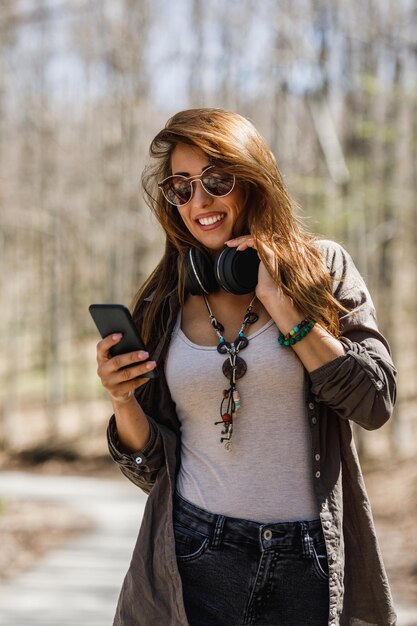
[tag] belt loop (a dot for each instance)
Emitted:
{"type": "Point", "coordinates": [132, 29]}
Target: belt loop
{"type": "Point", "coordinates": [306, 541]}
{"type": "Point", "coordinates": [218, 532]}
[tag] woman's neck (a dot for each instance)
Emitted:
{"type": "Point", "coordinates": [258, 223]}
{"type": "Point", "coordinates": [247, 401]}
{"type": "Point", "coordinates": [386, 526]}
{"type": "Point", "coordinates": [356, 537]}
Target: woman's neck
{"type": "Point", "coordinates": [225, 299]}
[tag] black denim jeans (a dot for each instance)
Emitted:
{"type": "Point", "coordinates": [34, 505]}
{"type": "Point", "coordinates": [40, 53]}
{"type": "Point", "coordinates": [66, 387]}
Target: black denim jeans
{"type": "Point", "coordinates": [237, 572]}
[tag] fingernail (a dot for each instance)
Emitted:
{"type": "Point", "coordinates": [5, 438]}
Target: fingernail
{"type": "Point", "coordinates": [117, 336]}
{"type": "Point", "coordinates": [150, 364]}
{"type": "Point", "coordinates": [142, 354]}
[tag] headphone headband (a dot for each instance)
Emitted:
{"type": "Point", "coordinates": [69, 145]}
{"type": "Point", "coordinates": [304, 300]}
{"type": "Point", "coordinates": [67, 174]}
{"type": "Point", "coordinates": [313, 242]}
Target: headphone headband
{"type": "Point", "coordinates": [196, 275]}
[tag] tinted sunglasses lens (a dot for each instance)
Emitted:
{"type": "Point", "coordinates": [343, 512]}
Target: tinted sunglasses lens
{"type": "Point", "coordinates": [218, 183]}
{"type": "Point", "coordinates": [177, 190]}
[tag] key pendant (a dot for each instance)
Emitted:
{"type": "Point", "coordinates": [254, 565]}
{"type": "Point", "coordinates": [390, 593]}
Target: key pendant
{"type": "Point", "coordinates": [227, 422]}
{"type": "Point", "coordinates": [227, 433]}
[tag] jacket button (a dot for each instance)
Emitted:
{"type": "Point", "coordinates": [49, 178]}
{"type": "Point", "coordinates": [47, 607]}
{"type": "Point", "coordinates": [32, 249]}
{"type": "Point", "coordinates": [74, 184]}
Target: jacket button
{"type": "Point", "coordinates": [314, 420]}
{"type": "Point", "coordinates": [317, 474]}
{"type": "Point", "coordinates": [268, 535]}
{"type": "Point", "coordinates": [311, 405]}
{"type": "Point", "coordinates": [317, 457]}
{"type": "Point", "coordinates": [138, 460]}
{"type": "Point", "coordinates": [379, 384]}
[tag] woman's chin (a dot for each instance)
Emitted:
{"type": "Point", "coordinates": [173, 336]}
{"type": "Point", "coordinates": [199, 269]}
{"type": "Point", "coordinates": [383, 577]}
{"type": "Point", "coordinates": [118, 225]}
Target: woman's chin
{"type": "Point", "coordinates": [214, 244]}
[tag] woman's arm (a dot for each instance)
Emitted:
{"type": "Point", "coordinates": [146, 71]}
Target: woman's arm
{"type": "Point", "coordinates": [132, 424]}
{"type": "Point", "coordinates": [353, 374]}
{"type": "Point", "coordinates": [134, 440]}
{"type": "Point", "coordinates": [317, 348]}
{"type": "Point", "coordinates": [119, 376]}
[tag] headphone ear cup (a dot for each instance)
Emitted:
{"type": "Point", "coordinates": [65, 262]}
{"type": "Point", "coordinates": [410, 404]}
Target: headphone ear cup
{"type": "Point", "coordinates": [237, 272]}
{"type": "Point", "coordinates": [199, 273]}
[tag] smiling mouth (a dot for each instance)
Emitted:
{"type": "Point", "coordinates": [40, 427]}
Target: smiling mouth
{"type": "Point", "coordinates": [208, 221]}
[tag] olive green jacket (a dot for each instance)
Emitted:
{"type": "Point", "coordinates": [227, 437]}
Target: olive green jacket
{"type": "Point", "coordinates": [358, 386]}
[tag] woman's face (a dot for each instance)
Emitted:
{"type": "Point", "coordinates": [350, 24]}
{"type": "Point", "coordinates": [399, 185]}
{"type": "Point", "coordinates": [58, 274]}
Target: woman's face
{"type": "Point", "coordinates": [209, 219]}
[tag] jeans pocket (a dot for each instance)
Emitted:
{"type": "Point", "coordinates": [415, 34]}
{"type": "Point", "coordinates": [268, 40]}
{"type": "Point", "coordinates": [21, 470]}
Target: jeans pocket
{"type": "Point", "coordinates": [319, 561]}
{"type": "Point", "coordinates": [189, 543]}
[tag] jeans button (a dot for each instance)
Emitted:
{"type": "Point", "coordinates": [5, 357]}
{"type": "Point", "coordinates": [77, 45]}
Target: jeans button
{"type": "Point", "coordinates": [268, 535]}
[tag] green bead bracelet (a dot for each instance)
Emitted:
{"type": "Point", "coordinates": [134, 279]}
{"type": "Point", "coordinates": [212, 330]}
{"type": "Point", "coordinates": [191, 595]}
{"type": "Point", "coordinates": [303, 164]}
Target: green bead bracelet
{"type": "Point", "coordinates": [296, 334]}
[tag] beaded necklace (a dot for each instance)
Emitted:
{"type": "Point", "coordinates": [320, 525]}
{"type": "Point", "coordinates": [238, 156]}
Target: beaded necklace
{"type": "Point", "coordinates": [234, 367]}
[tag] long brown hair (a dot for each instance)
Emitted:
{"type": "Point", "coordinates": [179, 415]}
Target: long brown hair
{"type": "Point", "coordinates": [233, 142]}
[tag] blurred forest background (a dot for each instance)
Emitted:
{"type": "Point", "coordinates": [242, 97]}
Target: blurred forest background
{"type": "Point", "coordinates": [86, 84]}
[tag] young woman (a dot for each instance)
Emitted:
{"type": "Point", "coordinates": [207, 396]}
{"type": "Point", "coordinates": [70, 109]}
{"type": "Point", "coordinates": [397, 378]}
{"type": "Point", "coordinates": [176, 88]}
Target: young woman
{"type": "Point", "coordinates": [257, 511]}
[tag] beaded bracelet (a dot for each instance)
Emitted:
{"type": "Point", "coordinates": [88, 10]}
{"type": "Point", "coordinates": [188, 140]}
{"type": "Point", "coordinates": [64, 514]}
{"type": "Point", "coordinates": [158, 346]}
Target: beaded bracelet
{"type": "Point", "coordinates": [296, 334]}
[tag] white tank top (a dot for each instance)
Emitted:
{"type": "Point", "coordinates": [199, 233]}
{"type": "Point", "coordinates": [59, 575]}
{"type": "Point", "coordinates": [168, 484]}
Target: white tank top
{"type": "Point", "coordinates": [267, 476]}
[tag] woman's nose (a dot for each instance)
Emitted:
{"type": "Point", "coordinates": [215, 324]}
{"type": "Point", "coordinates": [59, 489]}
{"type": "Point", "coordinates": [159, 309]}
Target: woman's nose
{"type": "Point", "coordinates": [200, 196]}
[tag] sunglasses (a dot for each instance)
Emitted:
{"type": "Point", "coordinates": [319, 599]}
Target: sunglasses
{"type": "Point", "coordinates": [178, 190]}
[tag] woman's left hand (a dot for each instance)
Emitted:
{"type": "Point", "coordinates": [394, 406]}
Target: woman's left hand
{"type": "Point", "coordinates": [266, 288]}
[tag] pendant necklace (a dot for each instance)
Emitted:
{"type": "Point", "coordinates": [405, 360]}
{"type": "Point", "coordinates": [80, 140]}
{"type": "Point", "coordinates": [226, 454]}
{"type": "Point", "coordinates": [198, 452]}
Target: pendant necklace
{"type": "Point", "coordinates": [233, 368]}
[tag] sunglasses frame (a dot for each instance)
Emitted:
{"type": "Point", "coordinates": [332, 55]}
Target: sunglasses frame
{"type": "Point", "coordinates": [191, 180]}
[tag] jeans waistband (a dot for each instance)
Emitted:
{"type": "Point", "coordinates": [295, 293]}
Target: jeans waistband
{"type": "Point", "coordinates": [302, 534]}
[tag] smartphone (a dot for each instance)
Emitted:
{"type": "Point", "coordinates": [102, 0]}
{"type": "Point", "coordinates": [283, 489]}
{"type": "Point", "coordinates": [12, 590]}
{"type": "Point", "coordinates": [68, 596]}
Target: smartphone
{"type": "Point", "coordinates": [116, 318]}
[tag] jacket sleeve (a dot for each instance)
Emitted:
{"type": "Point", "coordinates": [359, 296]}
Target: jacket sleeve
{"type": "Point", "coordinates": [361, 384]}
{"type": "Point", "coordinates": [140, 467]}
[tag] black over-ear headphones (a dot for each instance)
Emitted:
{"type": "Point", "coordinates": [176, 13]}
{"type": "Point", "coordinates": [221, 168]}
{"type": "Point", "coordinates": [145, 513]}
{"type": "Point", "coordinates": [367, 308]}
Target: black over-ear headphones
{"type": "Point", "coordinates": [236, 272]}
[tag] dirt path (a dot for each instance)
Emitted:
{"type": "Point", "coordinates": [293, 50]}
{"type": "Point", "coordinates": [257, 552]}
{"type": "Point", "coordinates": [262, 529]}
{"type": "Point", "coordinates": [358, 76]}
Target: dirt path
{"type": "Point", "coordinates": [392, 488]}
{"type": "Point", "coordinates": [76, 584]}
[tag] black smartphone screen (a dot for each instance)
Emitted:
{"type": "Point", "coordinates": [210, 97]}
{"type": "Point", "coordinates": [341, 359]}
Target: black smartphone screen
{"type": "Point", "coordinates": [116, 318]}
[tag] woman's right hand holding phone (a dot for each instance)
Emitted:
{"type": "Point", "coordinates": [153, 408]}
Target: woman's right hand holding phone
{"type": "Point", "coordinates": [117, 373]}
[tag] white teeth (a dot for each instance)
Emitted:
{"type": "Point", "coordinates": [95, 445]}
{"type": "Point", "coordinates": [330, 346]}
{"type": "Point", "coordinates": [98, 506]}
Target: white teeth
{"type": "Point", "coordinates": [206, 221]}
